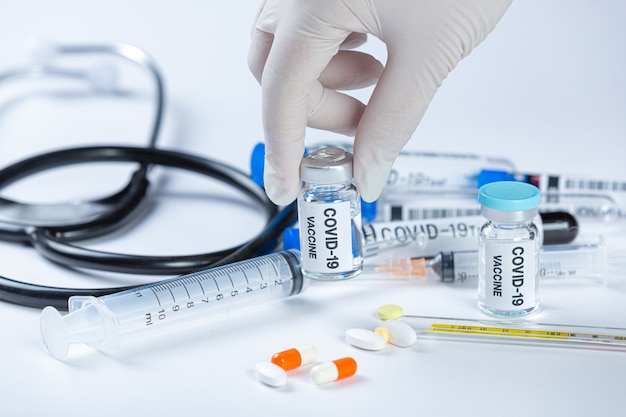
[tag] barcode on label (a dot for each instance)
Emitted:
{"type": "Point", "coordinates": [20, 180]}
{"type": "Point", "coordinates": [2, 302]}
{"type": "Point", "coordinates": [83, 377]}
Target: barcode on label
{"type": "Point", "coordinates": [595, 185]}
{"type": "Point", "coordinates": [401, 213]}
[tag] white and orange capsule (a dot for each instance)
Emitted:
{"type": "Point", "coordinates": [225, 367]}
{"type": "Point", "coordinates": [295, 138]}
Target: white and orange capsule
{"type": "Point", "coordinates": [295, 358]}
{"type": "Point", "coordinates": [333, 371]}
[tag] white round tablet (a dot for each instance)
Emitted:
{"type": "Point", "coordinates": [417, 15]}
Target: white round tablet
{"type": "Point", "coordinates": [365, 339]}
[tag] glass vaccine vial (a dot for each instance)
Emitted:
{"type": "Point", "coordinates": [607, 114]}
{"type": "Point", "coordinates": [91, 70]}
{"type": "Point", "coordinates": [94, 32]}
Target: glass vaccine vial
{"type": "Point", "coordinates": [329, 213]}
{"type": "Point", "coordinates": [508, 249]}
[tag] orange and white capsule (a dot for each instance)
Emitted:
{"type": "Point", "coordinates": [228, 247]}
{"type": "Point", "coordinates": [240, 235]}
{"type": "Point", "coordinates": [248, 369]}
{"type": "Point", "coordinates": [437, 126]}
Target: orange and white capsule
{"type": "Point", "coordinates": [295, 358]}
{"type": "Point", "coordinates": [333, 371]}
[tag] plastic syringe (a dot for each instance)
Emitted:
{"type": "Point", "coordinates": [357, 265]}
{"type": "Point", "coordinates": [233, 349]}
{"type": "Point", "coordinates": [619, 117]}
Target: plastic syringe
{"type": "Point", "coordinates": [513, 331]}
{"type": "Point", "coordinates": [110, 321]}
{"type": "Point", "coordinates": [579, 260]}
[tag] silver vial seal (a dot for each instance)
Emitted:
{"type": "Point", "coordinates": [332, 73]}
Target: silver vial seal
{"type": "Point", "coordinates": [326, 166]}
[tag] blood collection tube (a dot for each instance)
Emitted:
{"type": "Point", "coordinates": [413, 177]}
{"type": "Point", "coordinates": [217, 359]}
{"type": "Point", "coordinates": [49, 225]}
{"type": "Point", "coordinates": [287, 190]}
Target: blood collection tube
{"type": "Point", "coordinates": [580, 194]}
{"type": "Point", "coordinates": [415, 170]}
{"type": "Point", "coordinates": [461, 233]}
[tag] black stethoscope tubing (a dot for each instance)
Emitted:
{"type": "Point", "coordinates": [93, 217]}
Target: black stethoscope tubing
{"type": "Point", "coordinates": [58, 244]}
{"type": "Point", "coordinates": [122, 202]}
{"type": "Point", "coordinates": [56, 236]}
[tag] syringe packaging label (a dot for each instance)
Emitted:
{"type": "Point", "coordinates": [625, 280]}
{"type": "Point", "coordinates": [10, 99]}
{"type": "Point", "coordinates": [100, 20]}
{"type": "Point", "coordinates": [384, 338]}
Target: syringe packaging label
{"type": "Point", "coordinates": [560, 189]}
{"type": "Point", "coordinates": [428, 210]}
{"type": "Point", "coordinates": [432, 173]}
{"type": "Point", "coordinates": [511, 275]}
{"type": "Point", "coordinates": [577, 184]}
{"type": "Point", "coordinates": [438, 171]}
{"type": "Point", "coordinates": [454, 234]}
{"type": "Point", "coordinates": [326, 237]}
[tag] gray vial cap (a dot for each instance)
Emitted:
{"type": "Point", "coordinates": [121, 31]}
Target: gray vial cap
{"type": "Point", "coordinates": [326, 166]}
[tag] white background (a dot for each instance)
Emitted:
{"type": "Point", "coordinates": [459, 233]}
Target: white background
{"type": "Point", "coordinates": [546, 90]}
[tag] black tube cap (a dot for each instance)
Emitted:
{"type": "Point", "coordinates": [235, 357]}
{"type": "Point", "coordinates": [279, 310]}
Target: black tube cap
{"type": "Point", "coordinates": [559, 227]}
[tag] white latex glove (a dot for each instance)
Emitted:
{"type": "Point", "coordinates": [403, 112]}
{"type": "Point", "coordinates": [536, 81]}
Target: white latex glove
{"type": "Point", "coordinates": [299, 56]}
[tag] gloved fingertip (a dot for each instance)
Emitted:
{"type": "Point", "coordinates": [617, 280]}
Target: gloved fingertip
{"type": "Point", "coordinates": [371, 179]}
{"type": "Point", "coordinates": [279, 189]}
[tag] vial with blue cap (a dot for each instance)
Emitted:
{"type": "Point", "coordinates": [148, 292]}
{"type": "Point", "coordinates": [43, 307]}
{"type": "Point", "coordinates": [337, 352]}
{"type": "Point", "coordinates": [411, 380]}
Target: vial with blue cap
{"type": "Point", "coordinates": [508, 248]}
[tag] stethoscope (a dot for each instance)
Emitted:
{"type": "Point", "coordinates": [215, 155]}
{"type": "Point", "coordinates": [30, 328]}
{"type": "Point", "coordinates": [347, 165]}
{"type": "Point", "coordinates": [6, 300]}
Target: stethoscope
{"type": "Point", "coordinates": [16, 214]}
{"type": "Point", "coordinates": [56, 231]}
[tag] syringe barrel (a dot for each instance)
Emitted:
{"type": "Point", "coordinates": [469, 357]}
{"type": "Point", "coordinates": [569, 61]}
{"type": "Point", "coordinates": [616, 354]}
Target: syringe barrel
{"type": "Point", "coordinates": [579, 260]}
{"type": "Point", "coordinates": [465, 268]}
{"type": "Point", "coordinates": [585, 260]}
{"type": "Point", "coordinates": [111, 321]}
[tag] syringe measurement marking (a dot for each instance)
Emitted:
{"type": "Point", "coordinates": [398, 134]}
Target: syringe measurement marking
{"type": "Point", "coordinates": [170, 291]}
{"type": "Point", "coordinates": [155, 295]}
{"type": "Point", "coordinates": [189, 280]}
{"type": "Point", "coordinates": [198, 279]}
{"type": "Point", "coordinates": [524, 333]}
{"type": "Point", "coordinates": [186, 290]}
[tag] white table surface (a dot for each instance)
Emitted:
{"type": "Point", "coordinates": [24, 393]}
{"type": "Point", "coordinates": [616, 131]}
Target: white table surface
{"type": "Point", "coordinates": [546, 90]}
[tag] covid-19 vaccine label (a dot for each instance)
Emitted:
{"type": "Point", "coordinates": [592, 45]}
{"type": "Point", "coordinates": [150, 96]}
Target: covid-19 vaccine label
{"type": "Point", "coordinates": [510, 271]}
{"type": "Point", "coordinates": [326, 237]}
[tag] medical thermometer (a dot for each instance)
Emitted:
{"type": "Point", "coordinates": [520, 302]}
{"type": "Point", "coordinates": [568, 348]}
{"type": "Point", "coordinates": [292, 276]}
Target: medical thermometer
{"type": "Point", "coordinates": [509, 331]}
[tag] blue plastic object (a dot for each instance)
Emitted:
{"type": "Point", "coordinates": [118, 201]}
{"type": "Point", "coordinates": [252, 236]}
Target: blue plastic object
{"type": "Point", "coordinates": [487, 176]}
{"type": "Point", "coordinates": [257, 163]}
{"type": "Point", "coordinates": [509, 196]}
{"type": "Point", "coordinates": [291, 238]}
{"type": "Point", "coordinates": [368, 211]}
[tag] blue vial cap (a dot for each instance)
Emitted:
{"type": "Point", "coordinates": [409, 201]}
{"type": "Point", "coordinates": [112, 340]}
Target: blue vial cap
{"type": "Point", "coordinates": [291, 238]}
{"type": "Point", "coordinates": [257, 163]}
{"type": "Point", "coordinates": [509, 196]}
{"type": "Point", "coordinates": [487, 176]}
{"type": "Point", "coordinates": [368, 211]}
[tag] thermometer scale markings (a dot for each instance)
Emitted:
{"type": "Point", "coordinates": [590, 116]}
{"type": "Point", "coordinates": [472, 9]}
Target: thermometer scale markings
{"type": "Point", "coordinates": [524, 333]}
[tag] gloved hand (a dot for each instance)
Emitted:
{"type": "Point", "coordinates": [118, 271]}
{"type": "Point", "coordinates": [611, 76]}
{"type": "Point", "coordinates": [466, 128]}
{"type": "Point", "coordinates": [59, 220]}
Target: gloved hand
{"type": "Point", "coordinates": [300, 55]}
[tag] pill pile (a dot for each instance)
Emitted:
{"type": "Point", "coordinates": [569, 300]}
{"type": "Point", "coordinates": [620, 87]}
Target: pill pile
{"type": "Point", "coordinates": [396, 332]}
{"type": "Point", "coordinates": [274, 372]}
{"type": "Point", "coordinates": [392, 330]}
